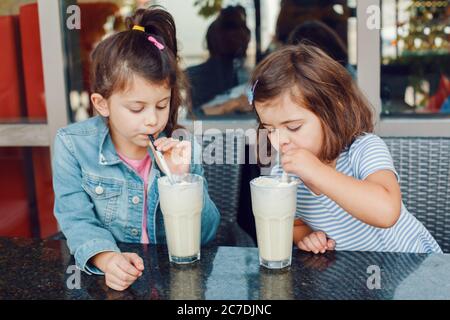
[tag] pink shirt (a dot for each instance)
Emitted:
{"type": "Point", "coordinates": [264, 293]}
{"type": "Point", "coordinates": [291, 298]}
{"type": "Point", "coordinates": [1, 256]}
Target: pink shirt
{"type": "Point", "coordinates": [142, 167]}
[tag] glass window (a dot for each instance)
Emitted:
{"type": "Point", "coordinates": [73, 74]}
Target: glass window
{"type": "Point", "coordinates": [220, 43]}
{"type": "Point", "coordinates": [98, 19]}
{"type": "Point", "coordinates": [26, 193]}
{"type": "Point", "coordinates": [21, 76]}
{"type": "Point", "coordinates": [415, 55]}
{"type": "Point", "coordinates": [329, 24]}
{"type": "Point", "coordinates": [218, 56]}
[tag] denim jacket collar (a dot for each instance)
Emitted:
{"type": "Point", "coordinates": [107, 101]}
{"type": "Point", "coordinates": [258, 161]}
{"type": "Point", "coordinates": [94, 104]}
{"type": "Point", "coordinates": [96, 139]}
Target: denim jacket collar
{"type": "Point", "coordinates": [107, 154]}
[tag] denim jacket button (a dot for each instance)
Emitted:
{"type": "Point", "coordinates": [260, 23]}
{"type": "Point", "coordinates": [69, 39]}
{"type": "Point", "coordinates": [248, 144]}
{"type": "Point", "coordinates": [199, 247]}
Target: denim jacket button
{"type": "Point", "coordinates": [99, 190]}
{"type": "Point", "coordinates": [135, 200]}
{"type": "Point", "coordinates": [134, 232]}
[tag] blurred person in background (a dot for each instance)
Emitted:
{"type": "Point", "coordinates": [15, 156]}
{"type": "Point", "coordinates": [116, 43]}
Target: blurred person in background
{"type": "Point", "coordinates": [227, 40]}
{"type": "Point", "coordinates": [320, 35]}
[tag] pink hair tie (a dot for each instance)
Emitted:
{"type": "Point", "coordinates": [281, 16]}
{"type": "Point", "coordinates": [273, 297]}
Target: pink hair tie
{"type": "Point", "coordinates": [155, 42]}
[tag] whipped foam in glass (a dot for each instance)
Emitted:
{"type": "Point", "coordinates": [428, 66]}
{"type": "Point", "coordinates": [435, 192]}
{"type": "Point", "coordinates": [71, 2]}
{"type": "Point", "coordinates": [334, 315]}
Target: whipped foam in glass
{"type": "Point", "coordinates": [272, 181]}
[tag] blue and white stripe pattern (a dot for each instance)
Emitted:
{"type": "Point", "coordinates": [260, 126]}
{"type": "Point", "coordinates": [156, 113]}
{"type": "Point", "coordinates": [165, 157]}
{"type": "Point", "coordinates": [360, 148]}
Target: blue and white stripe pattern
{"type": "Point", "coordinates": [366, 155]}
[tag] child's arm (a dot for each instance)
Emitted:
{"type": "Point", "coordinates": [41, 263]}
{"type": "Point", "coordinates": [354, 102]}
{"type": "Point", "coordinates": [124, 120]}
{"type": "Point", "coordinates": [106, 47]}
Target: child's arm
{"type": "Point", "coordinates": [93, 246]}
{"type": "Point", "coordinates": [74, 210]}
{"type": "Point", "coordinates": [308, 240]}
{"type": "Point", "coordinates": [121, 269]}
{"type": "Point", "coordinates": [301, 230]}
{"type": "Point", "coordinates": [375, 199]}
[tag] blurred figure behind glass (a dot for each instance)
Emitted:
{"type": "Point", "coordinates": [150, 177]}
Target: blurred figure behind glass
{"type": "Point", "coordinates": [227, 40]}
{"type": "Point", "coordinates": [320, 35]}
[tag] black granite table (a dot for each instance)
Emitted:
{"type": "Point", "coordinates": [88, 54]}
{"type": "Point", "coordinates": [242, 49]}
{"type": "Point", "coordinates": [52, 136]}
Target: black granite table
{"type": "Point", "coordinates": [36, 269]}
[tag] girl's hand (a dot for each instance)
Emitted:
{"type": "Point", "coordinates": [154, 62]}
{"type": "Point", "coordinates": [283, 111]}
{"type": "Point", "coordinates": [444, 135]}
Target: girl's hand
{"type": "Point", "coordinates": [176, 153]}
{"type": "Point", "coordinates": [121, 269]}
{"type": "Point", "coordinates": [316, 242]}
{"type": "Point", "coordinates": [301, 162]}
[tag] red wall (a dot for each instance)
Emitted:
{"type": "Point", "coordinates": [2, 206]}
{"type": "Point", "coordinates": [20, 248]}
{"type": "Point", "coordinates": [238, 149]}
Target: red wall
{"type": "Point", "coordinates": [22, 96]}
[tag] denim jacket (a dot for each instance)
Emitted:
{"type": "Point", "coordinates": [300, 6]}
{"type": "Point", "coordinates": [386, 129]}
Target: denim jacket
{"type": "Point", "coordinates": [99, 198]}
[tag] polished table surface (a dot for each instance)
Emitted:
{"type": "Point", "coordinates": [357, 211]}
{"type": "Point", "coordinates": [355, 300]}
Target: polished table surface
{"type": "Point", "coordinates": [40, 269]}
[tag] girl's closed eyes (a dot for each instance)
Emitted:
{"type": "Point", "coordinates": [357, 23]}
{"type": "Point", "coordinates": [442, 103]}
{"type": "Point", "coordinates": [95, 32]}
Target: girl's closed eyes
{"type": "Point", "coordinates": [133, 110]}
{"type": "Point", "coordinates": [162, 107]}
{"type": "Point", "coordinates": [134, 106]}
{"type": "Point", "coordinates": [292, 128]}
{"type": "Point", "coordinates": [137, 109]}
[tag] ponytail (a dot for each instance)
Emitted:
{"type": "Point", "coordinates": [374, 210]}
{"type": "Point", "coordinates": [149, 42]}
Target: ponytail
{"type": "Point", "coordinates": [156, 22]}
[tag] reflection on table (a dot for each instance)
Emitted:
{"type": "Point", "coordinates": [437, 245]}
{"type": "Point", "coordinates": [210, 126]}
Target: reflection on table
{"type": "Point", "coordinates": [34, 269]}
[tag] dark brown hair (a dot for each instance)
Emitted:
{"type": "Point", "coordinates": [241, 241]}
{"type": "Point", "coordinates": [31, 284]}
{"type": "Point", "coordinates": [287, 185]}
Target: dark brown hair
{"type": "Point", "coordinates": [120, 56]}
{"type": "Point", "coordinates": [228, 36]}
{"type": "Point", "coordinates": [323, 86]}
{"type": "Point", "coordinates": [320, 35]}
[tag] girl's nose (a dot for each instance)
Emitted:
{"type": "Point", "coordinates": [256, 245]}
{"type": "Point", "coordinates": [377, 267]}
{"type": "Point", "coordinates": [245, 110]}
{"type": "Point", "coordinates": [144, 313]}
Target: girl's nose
{"type": "Point", "coordinates": [279, 139]}
{"type": "Point", "coordinates": [283, 139]}
{"type": "Point", "coordinates": [150, 118]}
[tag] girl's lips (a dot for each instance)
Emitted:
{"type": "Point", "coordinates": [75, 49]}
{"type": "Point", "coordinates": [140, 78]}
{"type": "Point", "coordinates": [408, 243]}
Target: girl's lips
{"type": "Point", "coordinates": [146, 135]}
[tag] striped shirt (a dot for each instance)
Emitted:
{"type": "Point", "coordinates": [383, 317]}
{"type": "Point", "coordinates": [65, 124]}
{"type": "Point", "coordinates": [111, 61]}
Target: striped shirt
{"type": "Point", "coordinates": [366, 155]}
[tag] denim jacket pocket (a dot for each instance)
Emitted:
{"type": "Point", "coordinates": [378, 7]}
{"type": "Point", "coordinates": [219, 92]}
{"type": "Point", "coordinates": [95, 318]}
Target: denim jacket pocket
{"type": "Point", "coordinates": [105, 193]}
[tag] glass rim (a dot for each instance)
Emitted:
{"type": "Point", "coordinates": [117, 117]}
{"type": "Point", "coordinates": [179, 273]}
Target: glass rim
{"type": "Point", "coordinates": [197, 178]}
{"type": "Point", "coordinates": [292, 178]}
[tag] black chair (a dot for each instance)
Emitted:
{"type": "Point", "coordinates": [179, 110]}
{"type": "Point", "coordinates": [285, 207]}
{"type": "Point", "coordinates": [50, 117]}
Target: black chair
{"type": "Point", "coordinates": [224, 183]}
{"type": "Point", "coordinates": [423, 164]}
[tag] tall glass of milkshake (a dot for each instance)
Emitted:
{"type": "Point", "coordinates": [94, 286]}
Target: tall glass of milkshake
{"type": "Point", "coordinates": [274, 204]}
{"type": "Point", "coordinates": [181, 205]}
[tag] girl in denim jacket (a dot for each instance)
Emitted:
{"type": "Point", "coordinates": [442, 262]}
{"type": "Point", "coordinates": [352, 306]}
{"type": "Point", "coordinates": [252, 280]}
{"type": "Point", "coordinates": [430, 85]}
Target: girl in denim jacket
{"type": "Point", "coordinates": [104, 177]}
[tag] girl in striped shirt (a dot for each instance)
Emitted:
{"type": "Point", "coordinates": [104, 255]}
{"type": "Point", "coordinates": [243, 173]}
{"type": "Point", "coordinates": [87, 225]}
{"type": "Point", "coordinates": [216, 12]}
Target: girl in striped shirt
{"type": "Point", "coordinates": [321, 125]}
